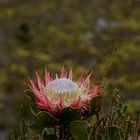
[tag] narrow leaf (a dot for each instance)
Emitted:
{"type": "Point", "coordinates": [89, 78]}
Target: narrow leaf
{"type": "Point", "coordinates": [69, 114]}
{"type": "Point", "coordinates": [95, 105]}
{"type": "Point", "coordinates": [112, 133]}
{"type": "Point", "coordinates": [79, 130]}
{"type": "Point", "coordinates": [44, 119]}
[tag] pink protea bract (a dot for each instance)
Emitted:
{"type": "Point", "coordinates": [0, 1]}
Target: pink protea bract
{"type": "Point", "coordinates": [54, 94]}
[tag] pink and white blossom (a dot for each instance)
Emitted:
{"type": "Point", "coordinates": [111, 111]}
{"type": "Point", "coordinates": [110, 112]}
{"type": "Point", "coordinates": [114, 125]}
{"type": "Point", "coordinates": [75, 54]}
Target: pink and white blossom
{"type": "Point", "coordinates": [54, 94]}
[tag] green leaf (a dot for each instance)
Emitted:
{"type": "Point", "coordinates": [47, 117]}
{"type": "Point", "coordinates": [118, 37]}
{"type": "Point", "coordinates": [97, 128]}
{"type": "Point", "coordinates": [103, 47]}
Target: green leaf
{"type": "Point", "coordinates": [95, 105]}
{"type": "Point", "coordinates": [34, 109]}
{"type": "Point", "coordinates": [68, 115]}
{"type": "Point", "coordinates": [24, 129]}
{"type": "Point", "coordinates": [44, 119]}
{"type": "Point", "coordinates": [31, 95]}
{"type": "Point", "coordinates": [79, 130]}
{"type": "Point", "coordinates": [112, 133]}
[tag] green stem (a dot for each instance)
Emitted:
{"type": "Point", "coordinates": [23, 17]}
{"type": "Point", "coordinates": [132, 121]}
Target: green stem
{"type": "Point", "coordinates": [62, 132]}
{"type": "Point", "coordinates": [97, 116]}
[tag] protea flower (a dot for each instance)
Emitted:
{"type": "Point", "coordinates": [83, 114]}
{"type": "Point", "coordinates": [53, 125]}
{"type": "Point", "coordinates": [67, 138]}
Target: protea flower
{"type": "Point", "coordinates": [62, 91]}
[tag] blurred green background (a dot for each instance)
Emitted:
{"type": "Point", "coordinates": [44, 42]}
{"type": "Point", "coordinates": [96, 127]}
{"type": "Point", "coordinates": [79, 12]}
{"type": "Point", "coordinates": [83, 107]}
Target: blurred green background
{"type": "Point", "coordinates": [78, 33]}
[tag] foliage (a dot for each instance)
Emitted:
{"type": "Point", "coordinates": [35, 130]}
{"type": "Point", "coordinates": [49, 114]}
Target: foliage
{"type": "Point", "coordinates": [97, 126]}
{"type": "Point", "coordinates": [80, 33]}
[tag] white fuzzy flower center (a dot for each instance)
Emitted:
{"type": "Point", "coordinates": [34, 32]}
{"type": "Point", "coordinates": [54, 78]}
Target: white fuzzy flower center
{"type": "Point", "coordinates": [68, 90]}
{"type": "Point", "coordinates": [61, 86]}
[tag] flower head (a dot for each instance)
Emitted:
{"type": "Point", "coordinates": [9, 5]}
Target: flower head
{"type": "Point", "coordinates": [55, 94]}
